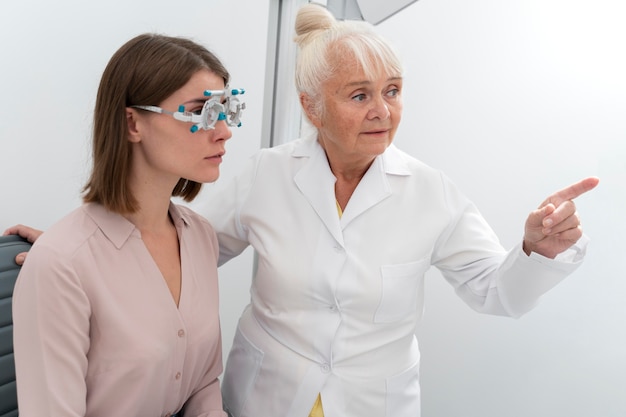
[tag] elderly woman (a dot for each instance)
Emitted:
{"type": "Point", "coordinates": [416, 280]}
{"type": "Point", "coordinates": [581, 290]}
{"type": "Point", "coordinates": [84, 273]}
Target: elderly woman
{"type": "Point", "coordinates": [345, 225]}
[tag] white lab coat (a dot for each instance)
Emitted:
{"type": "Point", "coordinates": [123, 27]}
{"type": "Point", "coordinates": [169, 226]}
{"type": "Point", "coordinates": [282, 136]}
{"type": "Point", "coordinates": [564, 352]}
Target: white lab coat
{"type": "Point", "coordinates": [335, 301]}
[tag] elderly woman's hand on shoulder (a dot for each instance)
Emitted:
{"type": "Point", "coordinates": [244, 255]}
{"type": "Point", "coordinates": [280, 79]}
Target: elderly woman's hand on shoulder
{"type": "Point", "coordinates": [27, 233]}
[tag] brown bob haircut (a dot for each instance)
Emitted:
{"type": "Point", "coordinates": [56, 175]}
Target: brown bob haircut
{"type": "Point", "coordinates": [144, 71]}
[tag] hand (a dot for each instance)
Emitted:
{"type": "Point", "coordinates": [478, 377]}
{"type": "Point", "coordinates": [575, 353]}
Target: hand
{"type": "Point", "coordinates": [555, 226]}
{"type": "Point", "coordinates": [27, 233]}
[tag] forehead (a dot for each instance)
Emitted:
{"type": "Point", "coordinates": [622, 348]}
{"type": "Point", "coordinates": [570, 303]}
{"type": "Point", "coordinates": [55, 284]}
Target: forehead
{"type": "Point", "coordinates": [361, 64]}
{"type": "Point", "coordinates": [197, 84]}
{"type": "Point", "coordinates": [348, 72]}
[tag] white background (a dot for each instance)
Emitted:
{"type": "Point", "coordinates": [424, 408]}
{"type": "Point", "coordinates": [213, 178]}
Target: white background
{"type": "Point", "coordinates": [512, 99]}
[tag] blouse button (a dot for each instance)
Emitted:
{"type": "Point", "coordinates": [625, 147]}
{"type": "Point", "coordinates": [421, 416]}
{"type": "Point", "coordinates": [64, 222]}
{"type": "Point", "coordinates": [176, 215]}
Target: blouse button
{"type": "Point", "coordinates": [181, 333]}
{"type": "Point", "coordinates": [178, 375]}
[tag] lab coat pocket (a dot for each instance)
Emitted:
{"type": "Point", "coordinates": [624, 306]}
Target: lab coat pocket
{"type": "Point", "coordinates": [242, 369]}
{"type": "Point", "coordinates": [402, 290]}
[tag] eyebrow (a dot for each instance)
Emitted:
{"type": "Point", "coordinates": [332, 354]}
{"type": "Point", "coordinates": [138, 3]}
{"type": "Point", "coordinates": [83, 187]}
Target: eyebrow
{"type": "Point", "coordinates": [196, 101]}
{"type": "Point", "coordinates": [365, 82]}
{"type": "Point", "coordinates": [200, 101]}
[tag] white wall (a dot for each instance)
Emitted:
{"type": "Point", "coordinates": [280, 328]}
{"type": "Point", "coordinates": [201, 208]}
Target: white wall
{"type": "Point", "coordinates": [53, 54]}
{"type": "Point", "coordinates": [515, 100]}
{"type": "Point", "coordinates": [512, 99]}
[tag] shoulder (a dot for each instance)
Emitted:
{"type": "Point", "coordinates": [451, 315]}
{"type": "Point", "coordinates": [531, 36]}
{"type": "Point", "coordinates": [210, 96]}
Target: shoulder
{"type": "Point", "coordinates": [68, 234]}
{"type": "Point", "coordinates": [301, 147]}
{"type": "Point", "coordinates": [54, 256]}
{"type": "Point", "coordinates": [422, 178]}
{"type": "Point", "coordinates": [397, 161]}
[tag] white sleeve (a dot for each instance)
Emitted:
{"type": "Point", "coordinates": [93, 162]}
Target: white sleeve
{"type": "Point", "coordinates": [223, 210]}
{"type": "Point", "coordinates": [487, 277]}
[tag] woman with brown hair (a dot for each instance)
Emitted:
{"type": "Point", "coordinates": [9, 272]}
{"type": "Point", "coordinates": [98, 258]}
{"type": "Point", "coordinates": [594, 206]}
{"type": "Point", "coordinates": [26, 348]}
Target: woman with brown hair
{"type": "Point", "coordinates": [116, 311]}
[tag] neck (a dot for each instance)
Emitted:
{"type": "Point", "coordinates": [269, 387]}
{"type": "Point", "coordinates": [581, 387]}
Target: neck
{"type": "Point", "coordinates": [154, 203]}
{"type": "Point", "coordinates": [151, 218]}
{"type": "Point", "coordinates": [347, 167]}
{"type": "Point", "coordinates": [348, 178]}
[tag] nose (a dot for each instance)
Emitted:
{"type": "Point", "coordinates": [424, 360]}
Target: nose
{"type": "Point", "coordinates": [222, 131]}
{"type": "Point", "coordinates": [379, 109]}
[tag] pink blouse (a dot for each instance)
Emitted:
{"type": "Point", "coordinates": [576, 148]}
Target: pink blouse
{"type": "Point", "coordinates": [97, 332]}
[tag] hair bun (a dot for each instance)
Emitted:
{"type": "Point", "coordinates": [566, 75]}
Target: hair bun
{"type": "Point", "coordinates": [312, 20]}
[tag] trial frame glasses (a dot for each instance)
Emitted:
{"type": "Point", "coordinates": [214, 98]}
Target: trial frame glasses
{"type": "Point", "coordinates": [212, 111]}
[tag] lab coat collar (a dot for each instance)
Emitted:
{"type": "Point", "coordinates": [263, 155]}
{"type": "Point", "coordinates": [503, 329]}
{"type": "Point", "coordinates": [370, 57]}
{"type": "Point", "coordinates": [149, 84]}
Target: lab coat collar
{"type": "Point", "coordinates": [315, 180]}
{"type": "Point", "coordinates": [394, 161]}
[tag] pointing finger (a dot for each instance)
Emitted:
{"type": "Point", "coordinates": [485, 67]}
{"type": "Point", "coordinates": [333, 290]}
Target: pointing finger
{"type": "Point", "coordinates": [572, 191]}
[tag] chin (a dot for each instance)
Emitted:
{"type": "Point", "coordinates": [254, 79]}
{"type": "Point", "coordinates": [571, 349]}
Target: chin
{"type": "Point", "coordinates": [380, 148]}
{"type": "Point", "coordinates": [211, 179]}
{"type": "Point", "coordinates": [206, 179]}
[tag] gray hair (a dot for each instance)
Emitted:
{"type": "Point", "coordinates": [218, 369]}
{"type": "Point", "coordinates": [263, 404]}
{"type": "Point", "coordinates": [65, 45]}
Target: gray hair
{"type": "Point", "coordinates": [318, 33]}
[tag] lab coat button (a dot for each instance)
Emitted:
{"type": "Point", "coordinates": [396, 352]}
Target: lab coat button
{"type": "Point", "coordinates": [325, 368]}
{"type": "Point", "coordinates": [178, 375]}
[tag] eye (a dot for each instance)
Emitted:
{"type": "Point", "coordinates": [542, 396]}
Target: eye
{"type": "Point", "coordinates": [359, 97]}
{"type": "Point", "coordinates": [196, 111]}
{"type": "Point", "coordinates": [393, 92]}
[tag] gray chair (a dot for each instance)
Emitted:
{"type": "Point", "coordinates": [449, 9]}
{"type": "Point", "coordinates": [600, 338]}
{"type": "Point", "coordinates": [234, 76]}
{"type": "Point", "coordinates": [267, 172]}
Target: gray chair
{"type": "Point", "coordinates": [9, 247]}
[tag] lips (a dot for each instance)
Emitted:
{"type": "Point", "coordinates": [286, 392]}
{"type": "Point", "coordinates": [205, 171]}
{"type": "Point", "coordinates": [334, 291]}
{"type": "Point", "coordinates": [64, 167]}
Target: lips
{"type": "Point", "coordinates": [217, 155]}
{"type": "Point", "coordinates": [378, 131]}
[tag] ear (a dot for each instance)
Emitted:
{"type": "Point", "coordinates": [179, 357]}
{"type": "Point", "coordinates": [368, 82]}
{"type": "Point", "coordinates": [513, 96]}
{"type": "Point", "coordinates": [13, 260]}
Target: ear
{"type": "Point", "coordinates": [310, 109]}
{"type": "Point", "coordinates": [132, 118]}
